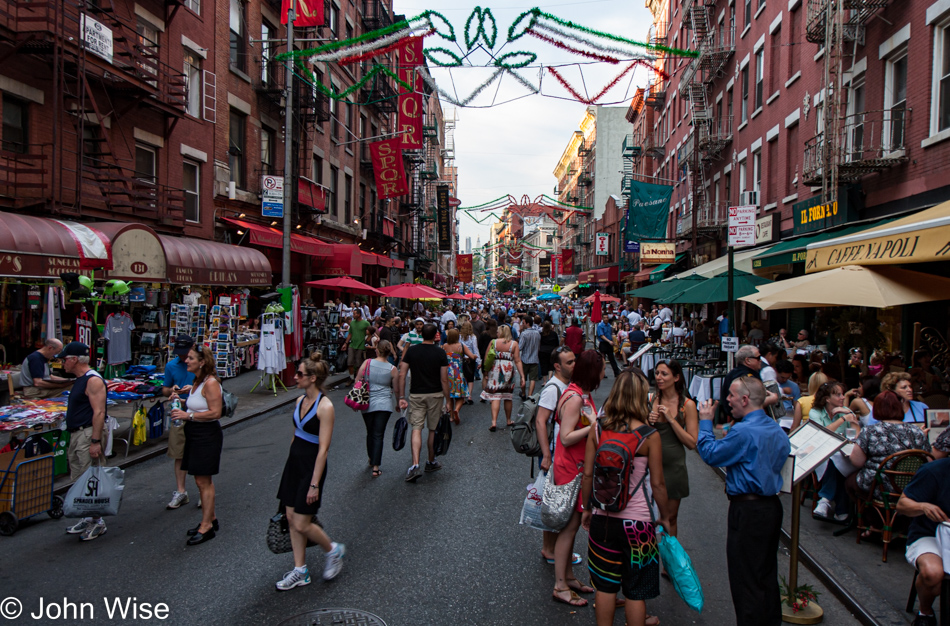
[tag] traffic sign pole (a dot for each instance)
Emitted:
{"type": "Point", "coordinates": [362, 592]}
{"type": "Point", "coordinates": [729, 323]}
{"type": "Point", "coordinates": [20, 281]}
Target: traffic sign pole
{"type": "Point", "coordinates": [289, 182]}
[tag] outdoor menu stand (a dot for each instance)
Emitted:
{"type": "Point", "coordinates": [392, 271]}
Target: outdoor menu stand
{"type": "Point", "coordinates": [812, 445]}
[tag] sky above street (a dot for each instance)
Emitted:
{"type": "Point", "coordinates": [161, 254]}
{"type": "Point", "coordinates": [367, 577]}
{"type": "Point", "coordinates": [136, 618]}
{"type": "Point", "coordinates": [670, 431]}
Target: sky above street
{"type": "Point", "coordinates": [509, 142]}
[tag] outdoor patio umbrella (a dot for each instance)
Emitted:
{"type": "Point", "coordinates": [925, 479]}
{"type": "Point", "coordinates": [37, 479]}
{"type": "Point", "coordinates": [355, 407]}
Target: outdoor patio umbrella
{"type": "Point", "coordinates": [411, 291]}
{"type": "Point", "coordinates": [853, 285]}
{"type": "Point", "coordinates": [476, 296]}
{"type": "Point", "coordinates": [595, 309]}
{"type": "Point", "coordinates": [716, 289]}
{"type": "Point", "coordinates": [345, 283]}
{"type": "Point", "coordinates": [667, 288]}
{"type": "Point", "coordinates": [458, 296]}
{"type": "Point", "coordinates": [549, 296]}
{"type": "Point", "coordinates": [601, 298]}
{"type": "Point", "coordinates": [508, 293]}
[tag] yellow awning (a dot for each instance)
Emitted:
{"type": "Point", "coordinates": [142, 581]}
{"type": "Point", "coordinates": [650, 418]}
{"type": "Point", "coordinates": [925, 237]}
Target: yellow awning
{"type": "Point", "coordinates": [917, 238]}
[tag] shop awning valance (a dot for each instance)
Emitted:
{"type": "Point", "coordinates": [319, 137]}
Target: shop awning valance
{"type": "Point", "coordinates": [917, 238]}
{"type": "Point", "coordinates": [200, 262]}
{"type": "Point", "coordinates": [371, 258]}
{"type": "Point", "coordinates": [794, 250]}
{"type": "Point", "coordinates": [601, 276]}
{"type": "Point", "coordinates": [741, 260]}
{"type": "Point", "coordinates": [273, 238]}
{"type": "Point", "coordinates": [40, 247]}
{"type": "Point", "coordinates": [347, 260]}
{"type": "Point", "coordinates": [644, 274]}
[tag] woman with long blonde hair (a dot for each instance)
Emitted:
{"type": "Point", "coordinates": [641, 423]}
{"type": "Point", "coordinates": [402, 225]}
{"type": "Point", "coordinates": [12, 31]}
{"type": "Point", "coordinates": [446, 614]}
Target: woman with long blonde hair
{"type": "Point", "coordinates": [622, 547]}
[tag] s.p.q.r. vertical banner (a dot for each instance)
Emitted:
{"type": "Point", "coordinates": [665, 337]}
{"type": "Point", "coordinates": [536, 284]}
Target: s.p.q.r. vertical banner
{"type": "Point", "coordinates": [388, 168]}
{"type": "Point", "coordinates": [410, 101]}
{"type": "Point", "coordinates": [442, 221]}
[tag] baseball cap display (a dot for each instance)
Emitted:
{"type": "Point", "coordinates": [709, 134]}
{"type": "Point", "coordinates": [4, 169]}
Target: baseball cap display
{"type": "Point", "coordinates": [183, 343]}
{"type": "Point", "coordinates": [74, 348]}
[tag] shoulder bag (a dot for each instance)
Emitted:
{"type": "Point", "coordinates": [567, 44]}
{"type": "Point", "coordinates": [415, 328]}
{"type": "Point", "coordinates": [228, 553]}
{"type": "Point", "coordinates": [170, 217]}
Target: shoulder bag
{"type": "Point", "coordinates": [558, 502]}
{"type": "Point", "coordinates": [358, 397]}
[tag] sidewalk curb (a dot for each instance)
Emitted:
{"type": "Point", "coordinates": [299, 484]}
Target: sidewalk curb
{"type": "Point", "coordinates": [163, 448]}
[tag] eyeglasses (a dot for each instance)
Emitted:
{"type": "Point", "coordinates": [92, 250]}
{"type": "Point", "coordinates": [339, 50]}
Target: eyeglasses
{"type": "Point", "coordinates": [299, 374]}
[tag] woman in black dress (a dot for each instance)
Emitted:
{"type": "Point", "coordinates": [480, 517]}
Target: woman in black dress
{"type": "Point", "coordinates": [301, 485]}
{"type": "Point", "coordinates": [549, 343]}
{"type": "Point", "coordinates": [203, 436]}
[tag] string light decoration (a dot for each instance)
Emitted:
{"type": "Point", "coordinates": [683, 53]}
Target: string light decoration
{"type": "Point", "coordinates": [481, 33]}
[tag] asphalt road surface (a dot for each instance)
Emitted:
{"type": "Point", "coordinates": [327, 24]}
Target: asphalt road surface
{"type": "Point", "coordinates": [446, 550]}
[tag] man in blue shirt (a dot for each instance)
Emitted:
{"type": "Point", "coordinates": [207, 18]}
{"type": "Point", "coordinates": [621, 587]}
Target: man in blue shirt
{"type": "Point", "coordinates": [753, 454]}
{"type": "Point", "coordinates": [724, 325]}
{"type": "Point", "coordinates": [178, 380]}
{"type": "Point", "coordinates": [605, 338]}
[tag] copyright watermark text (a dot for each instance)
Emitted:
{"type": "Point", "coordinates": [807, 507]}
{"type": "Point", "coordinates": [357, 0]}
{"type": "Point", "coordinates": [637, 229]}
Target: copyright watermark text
{"type": "Point", "coordinates": [65, 609]}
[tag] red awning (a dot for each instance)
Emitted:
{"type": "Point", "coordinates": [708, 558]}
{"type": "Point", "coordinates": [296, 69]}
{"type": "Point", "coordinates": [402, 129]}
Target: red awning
{"type": "Point", "coordinates": [644, 274]}
{"type": "Point", "coordinates": [40, 247]}
{"type": "Point", "coordinates": [273, 238]}
{"type": "Point", "coordinates": [200, 262]}
{"type": "Point", "coordinates": [399, 264]}
{"type": "Point", "coordinates": [347, 261]}
{"type": "Point", "coordinates": [603, 275]}
{"type": "Point", "coordinates": [311, 194]}
{"type": "Point", "coordinates": [371, 258]}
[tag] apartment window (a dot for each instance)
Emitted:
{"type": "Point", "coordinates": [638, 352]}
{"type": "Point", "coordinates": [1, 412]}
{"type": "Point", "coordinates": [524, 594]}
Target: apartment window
{"type": "Point", "coordinates": [90, 144]}
{"type": "Point", "coordinates": [729, 104]}
{"type": "Point", "coordinates": [362, 202]}
{"type": "Point", "coordinates": [940, 114]}
{"type": "Point", "coordinates": [145, 164]}
{"type": "Point", "coordinates": [775, 74]}
{"type": "Point", "coordinates": [268, 69]}
{"type": "Point", "coordinates": [317, 170]}
{"type": "Point", "coordinates": [237, 147]}
{"type": "Point", "coordinates": [334, 113]}
{"type": "Point", "coordinates": [855, 123]}
{"type": "Point", "coordinates": [332, 192]}
{"type": "Point", "coordinates": [745, 94]}
{"type": "Point", "coordinates": [719, 127]}
{"type": "Point", "coordinates": [238, 21]}
{"type": "Point", "coordinates": [757, 171]}
{"type": "Point", "coordinates": [16, 123]}
{"type": "Point", "coordinates": [748, 12]}
{"type": "Point", "coordinates": [794, 45]}
{"type": "Point", "coordinates": [791, 160]}
{"type": "Point", "coordinates": [759, 77]}
{"type": "Point", "coordinates": [895, 100]}
{"type": "Point", "coordinates": [267, 150]}
{"type": "Point", "coordinates": [194, 5]}
{"type": "Point", "coordinates": [147, 35]}
{"type": "Point", "coordinates": [189, 182]}
{"type": "Point", "coordinates": [770, 195]}
{"type": "Point", "coordinates": [348, 116]}
{"type": "Point", "coordinates": [347, 198]}
{"type": "Point", "coordinates": [743, 180]}
{"type": "Point", "coordinates": [727, 187]}
{"type": "Point", "coordinates": [192, 83]}
{"type": "Point", "coordinates": [333, 19]}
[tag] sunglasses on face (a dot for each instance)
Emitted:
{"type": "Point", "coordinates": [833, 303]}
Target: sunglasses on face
{"type": "Point", "coordinates": [299, 374]}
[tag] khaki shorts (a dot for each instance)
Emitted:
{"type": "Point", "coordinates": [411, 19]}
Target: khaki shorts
{"type": "Point", "coordinates": [40, 392]}
{"type": "Point", "coordinates": [176, 441]}
{"type": "Point", "coordinates": [425, 409]}
{"type": "Point", "coordinates": [78, 452]}
{"type": "Point", "coordinates": [354, 357]}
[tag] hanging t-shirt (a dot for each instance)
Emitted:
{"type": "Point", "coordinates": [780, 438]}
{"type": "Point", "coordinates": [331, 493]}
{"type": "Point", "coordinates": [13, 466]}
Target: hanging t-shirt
{"type": "Point", "coordinates": [119, 329]}
{"type": "Point", "coordinates": [84, 328]}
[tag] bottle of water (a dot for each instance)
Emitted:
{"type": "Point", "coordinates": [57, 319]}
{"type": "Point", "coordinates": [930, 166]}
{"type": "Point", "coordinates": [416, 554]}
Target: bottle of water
{"type": "Point", "coordinates": [176, 404]}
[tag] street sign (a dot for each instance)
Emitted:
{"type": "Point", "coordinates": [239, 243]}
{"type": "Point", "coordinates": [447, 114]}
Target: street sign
{"type": "Point", "coordinates": [631, 246]}
{"type": "Point", "coordinates": [454, 201]}
{"type": "Point", "coordinates": [602, 240]}
{"type": "Point", "coordinates": [556, 289]}
{"type": "Point", "coordinates": [730, 344]}
{"type": "Point", "coordinates": [272, 192]}
{"type": "Point", "coordinates": [741, 226]}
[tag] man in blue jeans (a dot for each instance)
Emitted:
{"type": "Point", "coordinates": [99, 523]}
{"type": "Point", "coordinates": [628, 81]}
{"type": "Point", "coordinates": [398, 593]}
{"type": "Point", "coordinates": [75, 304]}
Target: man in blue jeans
{"type": "Point", "coordinates": [605, 338]}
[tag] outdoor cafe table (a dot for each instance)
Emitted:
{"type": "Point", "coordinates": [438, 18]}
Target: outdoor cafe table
{"type": "Point", "coordinates": [704, 387]}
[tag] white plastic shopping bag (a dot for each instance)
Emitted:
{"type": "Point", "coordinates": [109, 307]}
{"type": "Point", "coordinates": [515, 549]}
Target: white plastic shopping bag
{"type": "Point", "coordinates": [531, 510]}
{"type": "Point", "coordinates": [97, 493]}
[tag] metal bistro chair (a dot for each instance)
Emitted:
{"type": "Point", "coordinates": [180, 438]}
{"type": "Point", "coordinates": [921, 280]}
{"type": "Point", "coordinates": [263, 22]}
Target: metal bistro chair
{"type": "Point", "coordinates": [894, 473]}
{"type": "Point", "coordinates": [944, 598]}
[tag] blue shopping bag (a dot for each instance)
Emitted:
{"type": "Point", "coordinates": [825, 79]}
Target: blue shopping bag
{"type": "Point", "coordinates": [680, 568]}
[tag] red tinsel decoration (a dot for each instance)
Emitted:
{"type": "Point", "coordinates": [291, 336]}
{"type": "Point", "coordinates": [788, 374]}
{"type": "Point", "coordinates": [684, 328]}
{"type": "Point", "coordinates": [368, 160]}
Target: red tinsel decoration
{"type": "Point", "coordinates": [563, 46]}
{"type": "Point", "coordinates": [381, 51]}
{"type": "Point", "coordinates": [603, 91]}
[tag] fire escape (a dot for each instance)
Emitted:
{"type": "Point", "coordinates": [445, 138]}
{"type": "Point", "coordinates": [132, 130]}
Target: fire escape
{"type": "Point", "coordinates": [82, 173]}
{"type": "Point", "coordinates": [853, 143]}
{"type": "Point", "coordinates": [711, 134]}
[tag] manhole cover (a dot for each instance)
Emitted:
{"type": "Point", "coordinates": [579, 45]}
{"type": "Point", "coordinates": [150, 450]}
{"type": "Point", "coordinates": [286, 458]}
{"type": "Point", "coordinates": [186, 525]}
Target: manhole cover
{"type": "Point", "coordinates": [334, 617]}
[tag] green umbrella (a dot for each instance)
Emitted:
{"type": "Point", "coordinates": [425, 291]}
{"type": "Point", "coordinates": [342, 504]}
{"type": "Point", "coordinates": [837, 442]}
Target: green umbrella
{"type": "Point", "coordinates": [716, 289]}
{"type": "Point", "coordinates": [667, 288]}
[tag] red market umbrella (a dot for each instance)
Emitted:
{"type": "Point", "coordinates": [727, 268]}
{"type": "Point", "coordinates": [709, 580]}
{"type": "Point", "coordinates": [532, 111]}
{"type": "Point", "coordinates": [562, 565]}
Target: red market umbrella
{"type": "Point", "coordinates": [458, 296]}
{"type": "Point", "coordinates": [508, 293]}
{"type": "Point", "coordinates": [602, 297]}
{"type": "Point", "coordinates": [595, 313]}
{"type": "Point", "coordinates": [411, 291]}
{"type": "Point", "coordinates": [345, 283]}
{"type": "Point", "coordinates": [475, 296]}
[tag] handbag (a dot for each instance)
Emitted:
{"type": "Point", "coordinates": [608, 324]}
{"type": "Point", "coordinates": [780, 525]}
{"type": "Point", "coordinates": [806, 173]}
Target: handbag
{"type": "Point", "coordinates": [681, 571]}
{"type": "Point", "coordinates": [558, 502]}
{"type": "Point", "coordinates": [358, 397]}
{"type": "Point", "coordinates": [278, 533]}
{"type": "Point", "coordinates": [229, 403]}
{"type": "Point", "coordinates": [399, 432]}
{"type": "Point", "coordinates": [489, 357]}
{"type": "Point", "coordinates": [443, 435]}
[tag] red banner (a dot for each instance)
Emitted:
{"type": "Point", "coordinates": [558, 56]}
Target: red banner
{"type": "Point", "coordinates": [555, 265]}
{"type": "Point", "coordinates": [308, 12]}
{"type": "Point", "coordinates": [388, 168]}
{"type": "Point", "coordinates": [410, 102]}
{"type": "Point", "coordinates": [567, 262]}
{"type": "Point", "coordinates": [463, 268]}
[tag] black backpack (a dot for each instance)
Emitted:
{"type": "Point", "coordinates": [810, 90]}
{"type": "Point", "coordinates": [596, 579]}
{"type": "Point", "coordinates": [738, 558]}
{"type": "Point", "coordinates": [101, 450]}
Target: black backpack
{"type": "Point", "coordinates": [524, 428]}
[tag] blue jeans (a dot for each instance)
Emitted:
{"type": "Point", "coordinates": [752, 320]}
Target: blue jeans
{"type": "Point", "coordinates": [832, 488]}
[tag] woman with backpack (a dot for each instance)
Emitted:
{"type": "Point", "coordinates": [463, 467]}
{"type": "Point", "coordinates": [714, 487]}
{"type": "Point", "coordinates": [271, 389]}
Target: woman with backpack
{"type": "Point", "coordinates": [674, 416]}
{"type": "Point", "coordinates": [622, 552]}
{"type": "Point", "coordinates": [575, 414]}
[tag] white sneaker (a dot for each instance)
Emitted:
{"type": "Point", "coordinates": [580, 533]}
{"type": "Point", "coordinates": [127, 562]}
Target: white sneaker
{"type": "Point", "coordinates": [292, 579]}
{"type": "Point", "coordinates": [334, 561]}
{"type": "Point", "coordinates": [178, 498]}
{"type": "Point", "coordinates": [823, 509]}
{"type": "Point", "coordinates": [79, 527]}
{"type": "Point", "coordinates": [93, 531]}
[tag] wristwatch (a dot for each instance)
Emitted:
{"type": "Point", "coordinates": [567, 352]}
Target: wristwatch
{"type": "Point", "coordinates": [312, 486]}
{"type": "Point", "coordinates": [191, 416]}
{"type": "Point", "coordinates": [95, 440]}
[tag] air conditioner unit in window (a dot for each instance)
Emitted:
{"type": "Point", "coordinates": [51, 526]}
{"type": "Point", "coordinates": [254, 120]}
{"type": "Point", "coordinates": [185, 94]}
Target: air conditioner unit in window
{"type": "Point", "coordinates": [749, 198]}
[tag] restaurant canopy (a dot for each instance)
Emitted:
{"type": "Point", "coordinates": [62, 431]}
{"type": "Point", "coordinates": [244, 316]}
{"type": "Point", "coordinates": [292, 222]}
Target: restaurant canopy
{"type": "Point", "coordinates": [917, 238]}
{"type": "Point", "coordinates": [37, 247]}
{"type": "Point", "coordinates": [742, 261]}
{"type": "Point", "coordinates": [716, 289]}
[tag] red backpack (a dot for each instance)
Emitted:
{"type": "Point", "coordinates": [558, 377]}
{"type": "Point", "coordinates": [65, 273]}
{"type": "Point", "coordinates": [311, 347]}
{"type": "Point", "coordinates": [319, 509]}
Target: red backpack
{"type": "Point", "coordinates": [613, 465]}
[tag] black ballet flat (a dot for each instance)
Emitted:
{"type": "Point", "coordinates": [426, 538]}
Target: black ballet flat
{"type": "Point", "coordinates": [200, 538]}
{"type": "Point", "coordinates": [194, 531]}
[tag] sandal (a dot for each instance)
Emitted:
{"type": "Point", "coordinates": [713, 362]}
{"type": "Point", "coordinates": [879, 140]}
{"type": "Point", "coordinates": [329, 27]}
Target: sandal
{"type": "Point", "coordinates": [574, 600]}
{"type": "Point", "coordinates": [655, 620]}
{"type": "Point", "coordinates": [575, 559]}
{"type": "Point", "coordinates": [578, 586]}
{"type": "Point", "coordinates": [377, 473]}
{"type": "Point", "coordinates": [492, 429]}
